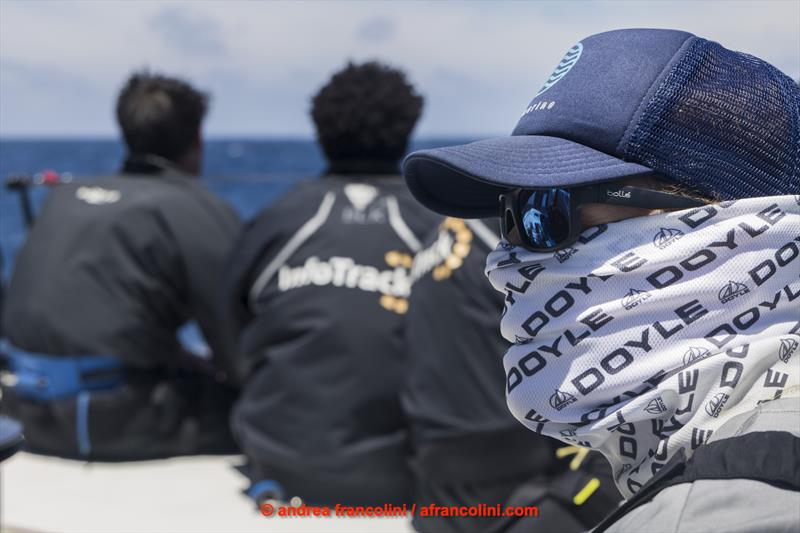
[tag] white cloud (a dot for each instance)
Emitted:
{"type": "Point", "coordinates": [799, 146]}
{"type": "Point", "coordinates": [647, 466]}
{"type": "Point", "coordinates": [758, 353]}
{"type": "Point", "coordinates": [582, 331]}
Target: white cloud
{"type": "Point", "coordinates": [187, 32]}
{"type": "Point", "coordinates": [376, 30]}
{"type": "Point", "coordinates": [478, 63]}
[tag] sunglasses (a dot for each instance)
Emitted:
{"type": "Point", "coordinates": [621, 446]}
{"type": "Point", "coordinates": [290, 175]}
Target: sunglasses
{"type": "Point", "coordinates": [546, 220]}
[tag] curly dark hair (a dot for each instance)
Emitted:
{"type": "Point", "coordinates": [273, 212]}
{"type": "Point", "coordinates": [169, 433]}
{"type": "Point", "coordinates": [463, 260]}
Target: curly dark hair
{"type": "Point", "coordinates": [160, 115]}
{"type": "Point", "coordinates": [366, 111]}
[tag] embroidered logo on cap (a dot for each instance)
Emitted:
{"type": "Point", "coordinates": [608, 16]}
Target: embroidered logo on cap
{"type": "Point", "coordinates": [561, 70]}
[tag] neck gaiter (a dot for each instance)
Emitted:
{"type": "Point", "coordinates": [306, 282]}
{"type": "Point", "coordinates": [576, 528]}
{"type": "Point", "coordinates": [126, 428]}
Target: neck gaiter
{"type": "Point", "coordinates": [648, 334]}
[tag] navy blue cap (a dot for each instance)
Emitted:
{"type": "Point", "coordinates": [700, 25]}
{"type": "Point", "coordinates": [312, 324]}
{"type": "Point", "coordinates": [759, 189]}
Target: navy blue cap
{"type": "Point", "coordinates": [626, 103]}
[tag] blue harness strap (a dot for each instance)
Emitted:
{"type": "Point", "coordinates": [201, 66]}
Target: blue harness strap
{"type": "Point", "coordinates": [82, 422]}
{"type": "Point", "coordinates": [46, 377]}
{"type": "Point", "coordinates": [11, 438]}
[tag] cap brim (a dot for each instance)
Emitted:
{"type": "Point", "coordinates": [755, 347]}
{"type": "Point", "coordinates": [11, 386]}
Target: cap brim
{"type": "Point", "coordinates": [465, 181]}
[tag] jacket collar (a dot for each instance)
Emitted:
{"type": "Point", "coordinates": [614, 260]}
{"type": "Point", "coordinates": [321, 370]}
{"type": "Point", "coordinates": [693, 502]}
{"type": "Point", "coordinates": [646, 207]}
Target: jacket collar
{"type": "Point", "coordinates": [150, 164]}
{"type": "Point", "coordinates": [377, 167]}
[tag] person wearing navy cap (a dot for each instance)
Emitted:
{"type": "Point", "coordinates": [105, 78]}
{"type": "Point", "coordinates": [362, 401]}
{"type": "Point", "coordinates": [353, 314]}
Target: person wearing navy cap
{"type": "Point", "coordinates": [649, 203]}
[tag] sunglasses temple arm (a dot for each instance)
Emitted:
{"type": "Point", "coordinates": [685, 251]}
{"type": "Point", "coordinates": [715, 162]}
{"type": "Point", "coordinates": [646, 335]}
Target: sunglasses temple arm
{"type": "Point", "coordinates": [645, 198]}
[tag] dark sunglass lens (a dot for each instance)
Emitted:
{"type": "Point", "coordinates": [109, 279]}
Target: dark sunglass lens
{"type": "Point", "coordinates": [545, 217]}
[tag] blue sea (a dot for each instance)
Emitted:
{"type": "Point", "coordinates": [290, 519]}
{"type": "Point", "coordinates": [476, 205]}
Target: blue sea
{"type": "Point", "coordinates": [247, 173]}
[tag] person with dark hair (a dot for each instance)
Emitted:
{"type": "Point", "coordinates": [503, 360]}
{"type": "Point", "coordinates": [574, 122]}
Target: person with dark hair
{"type": "Point", "coordinates": [317, 289]}
{"type": "Point", "coordinates": [110, 271]}
{"type": "Point", "coordinates": [658, 326]}
{"type": "Point", "coordinates": [161, 120]}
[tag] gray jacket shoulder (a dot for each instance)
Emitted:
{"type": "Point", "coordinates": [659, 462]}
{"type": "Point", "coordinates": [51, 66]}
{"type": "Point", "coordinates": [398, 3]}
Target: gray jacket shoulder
{"type": "Point", "coordinates": [737, 505]}
{"type": "Point", "coordinates": [729, 506]}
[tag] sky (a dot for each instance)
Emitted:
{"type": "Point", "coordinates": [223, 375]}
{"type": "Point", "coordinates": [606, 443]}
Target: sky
{"type": "Point", "coordinates": [477, 63]}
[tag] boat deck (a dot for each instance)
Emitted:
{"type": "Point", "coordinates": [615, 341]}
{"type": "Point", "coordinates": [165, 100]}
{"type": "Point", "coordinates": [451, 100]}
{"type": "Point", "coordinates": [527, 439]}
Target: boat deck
{"type": "Point", "coordinates": [185, 494]}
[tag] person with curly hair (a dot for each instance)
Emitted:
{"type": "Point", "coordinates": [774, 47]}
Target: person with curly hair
{"type": "Point", "coordinates": [317, 289]}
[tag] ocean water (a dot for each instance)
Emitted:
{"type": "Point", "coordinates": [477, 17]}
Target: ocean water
{"type": "Point", "coordinates": [247, 173]}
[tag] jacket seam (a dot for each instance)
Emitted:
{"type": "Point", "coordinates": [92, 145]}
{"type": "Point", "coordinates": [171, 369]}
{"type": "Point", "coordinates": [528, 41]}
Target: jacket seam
{"type": "Point", "coordinates": [683, 508]}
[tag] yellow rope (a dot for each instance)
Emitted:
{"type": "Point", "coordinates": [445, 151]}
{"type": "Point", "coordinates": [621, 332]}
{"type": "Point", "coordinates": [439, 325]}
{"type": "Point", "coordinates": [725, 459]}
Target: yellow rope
{"type": "Point", "coordinates": [586, 492]}
{"type": "Point", "coordinates": [579, 452]}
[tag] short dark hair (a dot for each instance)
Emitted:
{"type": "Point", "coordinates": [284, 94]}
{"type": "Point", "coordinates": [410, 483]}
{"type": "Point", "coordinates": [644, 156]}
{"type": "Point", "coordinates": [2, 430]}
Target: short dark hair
{"type": "Point", "coordinates": [160, 115]}
{"type": "Point", "coordinates": [366, 111]}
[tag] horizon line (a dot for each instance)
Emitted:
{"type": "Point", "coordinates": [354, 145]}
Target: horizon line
{"type": "Point", "coordinates": [234, 137]}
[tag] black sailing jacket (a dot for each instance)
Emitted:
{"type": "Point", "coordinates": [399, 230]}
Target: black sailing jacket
{"type": "Point", "coordinates": [114, 267]}
{"type": "Point", "coordinates": [318, 291]}
{"type": "Point", "coordinates": [454, 395]}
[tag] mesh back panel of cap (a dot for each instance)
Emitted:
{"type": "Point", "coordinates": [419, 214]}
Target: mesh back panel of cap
{"type": "Point", "coordinates": [725, 123]}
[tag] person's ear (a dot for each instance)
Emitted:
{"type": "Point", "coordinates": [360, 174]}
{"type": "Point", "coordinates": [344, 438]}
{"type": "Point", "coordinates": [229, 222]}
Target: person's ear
{"type": "Point", "coordinates": [192, 161]}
